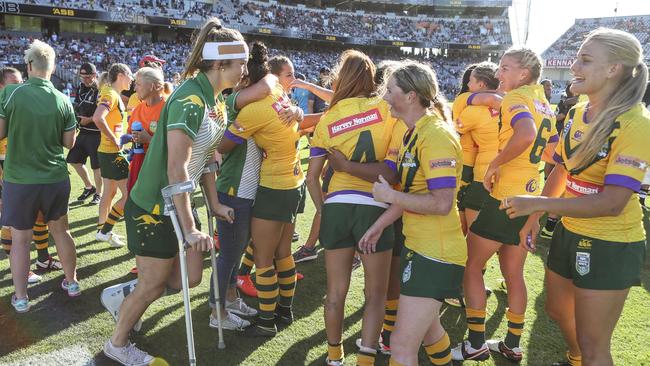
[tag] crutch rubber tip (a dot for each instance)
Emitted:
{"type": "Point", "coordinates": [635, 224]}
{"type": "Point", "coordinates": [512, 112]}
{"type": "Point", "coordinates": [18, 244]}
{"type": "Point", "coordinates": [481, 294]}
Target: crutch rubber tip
{"type": "Point", "coordinates": [158, 362]}
{"type": "Point", "coordinates": [221, 345]}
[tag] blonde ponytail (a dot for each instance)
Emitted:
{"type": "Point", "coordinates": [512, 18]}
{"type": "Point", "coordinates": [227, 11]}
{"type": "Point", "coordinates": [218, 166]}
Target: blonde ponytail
{"type": "Point", "coordinates": [622, 48]}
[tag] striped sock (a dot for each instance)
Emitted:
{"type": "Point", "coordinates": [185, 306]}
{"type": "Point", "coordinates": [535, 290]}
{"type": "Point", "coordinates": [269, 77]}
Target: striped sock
{"type": "Point", "coordinates": [389, 321]}
{"type": "Point", "coordinates": [574, 360]}
{"type": "Point", "coordinates": [366, 356]}
{"type": "Point", "coordinates": [335, 352]}
{"type": "Point", "coordinates": [247, 263]}
{"type": "Point", "coordinates": [515, 328]}
{"type": "Point", "coordinates": [286, 279]}
{"type": "Point", "coordinates": [394, 362]}
{"type": "Point", "coordinates": [440, 352]}
{"type": "Point", "coordinates": [475, 327]}
{"type": "Point", "coordinates": [41, 237]}
{"type": "Point", "coordinates": [266, 282]}
{"type": "Point", "coordinates": [113, 217]}
{"type": "Point", "coordinates": [5, 238]}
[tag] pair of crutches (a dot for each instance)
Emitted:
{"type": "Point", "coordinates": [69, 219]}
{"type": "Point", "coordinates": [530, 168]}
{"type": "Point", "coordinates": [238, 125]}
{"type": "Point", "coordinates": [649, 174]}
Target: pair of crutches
{"type": "Point", "coordinates": [168, 193]}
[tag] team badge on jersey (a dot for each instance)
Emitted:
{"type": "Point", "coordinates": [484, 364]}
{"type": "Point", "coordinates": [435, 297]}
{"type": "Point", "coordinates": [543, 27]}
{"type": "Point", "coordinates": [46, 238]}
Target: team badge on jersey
{"type": "Point", "coordinates": [153, 125]}
{"type": "Point", "coordinates": [406, 275]}
{"type": "Point", "coordinates": [583, 263]}
{"type": "Point", "coordinates": [408, 161]}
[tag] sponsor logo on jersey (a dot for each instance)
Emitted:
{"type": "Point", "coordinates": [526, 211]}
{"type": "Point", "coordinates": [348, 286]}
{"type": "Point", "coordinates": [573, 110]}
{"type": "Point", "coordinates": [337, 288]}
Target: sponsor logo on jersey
{"type": "Point", "coordinates": [354, 122]}
{"type": "Point", "coordinates": [281, 104]}
{"type": "Point", "coordinates": [631, 162]}
{"type": "Point", "coordinates": [584, 244]}
{"type": "Point", "coordinates": [517, 107]}
{"type": "Point", "coordinates": [153, 125]}
{"type": "Point", "coordinates": [531, 185]}
{"type": "Point", "coordinates": [543, 108]}
{"type": "Point", "coordinates": [442, 163]}
{"type": "Point", "coordinates": [581, 188]}
{"type": "Point", "coordinates": [577, 135]}
{"type": "Point", "coordinates": [583, 263]}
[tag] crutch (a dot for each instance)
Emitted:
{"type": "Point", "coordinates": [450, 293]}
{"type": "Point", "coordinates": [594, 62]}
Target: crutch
{"type": "Point", "coordinates": [170, 209]}
{"type": "Point", "coordinates": [211, 168]}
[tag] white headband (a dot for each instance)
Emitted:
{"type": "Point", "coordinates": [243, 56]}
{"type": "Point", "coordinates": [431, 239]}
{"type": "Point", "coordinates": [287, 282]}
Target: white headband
{"type": "Point", "coordinates": [225, 50]}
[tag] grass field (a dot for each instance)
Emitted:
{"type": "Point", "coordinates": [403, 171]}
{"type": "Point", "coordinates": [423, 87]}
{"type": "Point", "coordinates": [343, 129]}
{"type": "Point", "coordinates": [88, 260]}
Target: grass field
{"type": "Point", "coordinates": [71, 331]}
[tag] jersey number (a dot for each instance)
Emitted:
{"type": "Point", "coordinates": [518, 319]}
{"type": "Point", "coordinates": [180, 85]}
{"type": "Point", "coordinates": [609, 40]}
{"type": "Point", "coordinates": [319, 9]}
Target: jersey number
{"type": "Point", "coordinates": [366, 147]}
{"type": "Point", "coordinates": [540, 142]}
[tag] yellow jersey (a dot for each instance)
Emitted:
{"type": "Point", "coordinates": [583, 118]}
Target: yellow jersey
{"type": "Point", "coordinates": [469, 146]}
{"type": "Point", "coordinates": [279, 143]}
{"type": "Point", "coordinates": [133, 102]}
{"type": "Point", "coordinates": [361, 129]}
{"type": "Point", "coordinates": [521, 174]}
{"type": "Point", "coordinates": [115, 118]}
{"type": "Point", "coordinates": [431, 158]}
{"type": "Point", "coordinates": [3, 148]}
{"type": "Point", "coordinates": [623, 161]}
{"type": "Point", "coordinates": [481, 123]}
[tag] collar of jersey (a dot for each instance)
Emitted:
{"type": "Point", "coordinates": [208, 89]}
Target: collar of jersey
{"type": "Point", "coordinates": [38, 81]}
{"type": "Point", "coordinates": [206, 88]}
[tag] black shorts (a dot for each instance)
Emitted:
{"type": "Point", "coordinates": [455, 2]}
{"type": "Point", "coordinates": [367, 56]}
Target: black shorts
{"type": "Point", "coordinates": [85, 146]}
{"type": "Point", "coordinates": [22, 202]}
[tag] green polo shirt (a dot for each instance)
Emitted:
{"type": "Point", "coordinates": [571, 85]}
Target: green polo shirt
{"type": "Point", "coordinates": [36, 116]}
{"type": "Point", "coordinates": [193, 110]}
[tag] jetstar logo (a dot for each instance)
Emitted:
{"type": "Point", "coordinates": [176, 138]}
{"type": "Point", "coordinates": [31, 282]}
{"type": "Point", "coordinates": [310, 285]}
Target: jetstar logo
{"type": "Point", "coordinates": [355, 122]}
{"type": "Point", "coordinates": [631, 162]}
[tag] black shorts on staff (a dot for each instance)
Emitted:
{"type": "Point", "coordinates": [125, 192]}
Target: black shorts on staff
{"type": "Point", "coordinates": [85, 147]}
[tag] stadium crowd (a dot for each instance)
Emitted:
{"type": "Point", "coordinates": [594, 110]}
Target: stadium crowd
{"type": "Point", "coordinates": [567, 45]}
{"type": "Point", "coordinates": [491, 31]}
{"type": "Point", "coordinates": [72, 51]}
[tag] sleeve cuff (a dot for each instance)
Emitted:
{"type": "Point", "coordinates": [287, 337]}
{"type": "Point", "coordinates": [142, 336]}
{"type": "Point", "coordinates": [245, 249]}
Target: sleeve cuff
{"type": "Point", "coordinates": [623, 181]}
{"type": "Point", "coordinates": [183, 127]}
{"type": "Point", "coordinates": [519, 116]}
{"type": "Point", "coordinates": [471, 98]}
{"type": "Point", "coordinates": [316, 152]}
{"type": "Point", "coordinates": [441, 182]}
{"type": "Point", "coordinates": [391, 164]}
{"type": "Point", "coordinates": [553, 139]}
{"type": "Point", "coordinates": [557, 158]}
{"type": "Point", "coordinates": [108, 106]}
{"type": "Point", "coordinates": [236, 139]}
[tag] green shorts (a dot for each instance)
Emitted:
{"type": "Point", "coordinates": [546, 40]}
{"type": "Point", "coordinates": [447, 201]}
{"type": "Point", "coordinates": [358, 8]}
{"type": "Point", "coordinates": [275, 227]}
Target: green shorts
{"type": "Point", "coordinates": [149, 235]}
{"type": "Point", "coordinates": [475, 195]}
{"type": "Point", "coordinates": [279, 204]}
{"type": "Point", "coordinates": [113, 165]}
{"type": "Point", "coordinates": [493, 224]}
{"type": "Point", "coordinates": [467, 175]}
{"type": "Point", "coordinates": [425, 277]}
{"type": "Point", "coordinates": [595, 264]}
{"type": "Point", "coordinates": [343, 225]}
{"type": "Point", "coordinates": [398, 245]}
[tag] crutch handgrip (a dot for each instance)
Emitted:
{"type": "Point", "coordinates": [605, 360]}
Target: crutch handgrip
{"type": "Point", "coordinates": [211, 168]}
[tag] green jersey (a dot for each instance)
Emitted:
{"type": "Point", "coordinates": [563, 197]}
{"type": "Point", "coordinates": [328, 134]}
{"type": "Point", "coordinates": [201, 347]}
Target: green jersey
{"type": "Point", "coordinates": [192, 109]}
{"type": "Point", "coordinates": [240, 169]}
{"type": "Point", "coordinates": [36, 116]}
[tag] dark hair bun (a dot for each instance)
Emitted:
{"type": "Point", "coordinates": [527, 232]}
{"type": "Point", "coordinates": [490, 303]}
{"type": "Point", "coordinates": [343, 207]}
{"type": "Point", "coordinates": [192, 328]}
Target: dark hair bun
{"type": "Point", "coordinates": [259, 53]}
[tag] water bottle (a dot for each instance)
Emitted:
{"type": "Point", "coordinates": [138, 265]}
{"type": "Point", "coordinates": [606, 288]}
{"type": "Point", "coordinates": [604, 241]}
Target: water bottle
{"type": "Point", "coordinates": [138, 147]}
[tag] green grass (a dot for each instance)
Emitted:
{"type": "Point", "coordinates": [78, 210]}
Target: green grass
{"type": "Point", "coordinates": [81, 325]}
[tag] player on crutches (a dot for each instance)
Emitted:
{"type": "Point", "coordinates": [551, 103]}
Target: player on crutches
{"type": "Point", "coordinates": [191, 124]}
